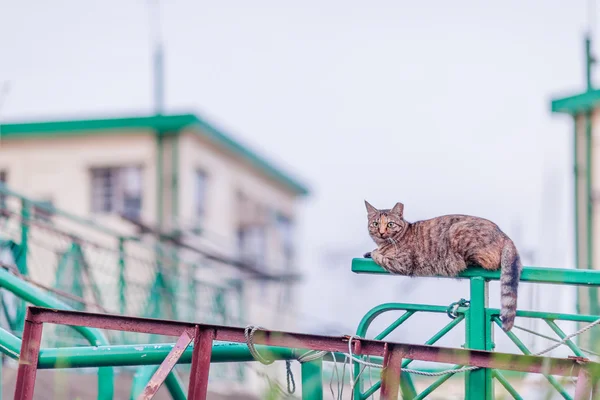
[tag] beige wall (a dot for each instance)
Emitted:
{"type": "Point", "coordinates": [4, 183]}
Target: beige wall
{"type": "Point", "coordinates": [225, 176]}
{"type": "Point", "coordinates": [60, 166]}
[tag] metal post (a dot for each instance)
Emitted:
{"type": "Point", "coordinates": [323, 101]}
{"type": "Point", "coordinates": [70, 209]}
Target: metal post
{"type": "Point", "coordinates": [122, 281]}
{"type": "Point", "coordinates": [583, 390]}
{"type": "Point", "coordinates": [25, 218]}
{"type": "Point", "coordinates": [28, 360]}
{"type": "Point", "coordinates": [312, 380]}
{"type": "Point", "coordinates": [198, 388]}
{"type": "Point", "coordinates": [478, 383]}
{"type": "Point", "coordinates": [390, 375]}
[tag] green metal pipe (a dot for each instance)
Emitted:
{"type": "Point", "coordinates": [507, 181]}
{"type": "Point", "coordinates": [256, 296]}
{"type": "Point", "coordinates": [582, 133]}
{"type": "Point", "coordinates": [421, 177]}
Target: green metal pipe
{"type": "Point", "coordinates": [394, 325]}
{"type": "Point", "coordinates": [122, 280]}
{"type": "Point", "coordinates": [148, 354]}
{"type": "Point", "coordinates": [515, 339]}
{"type": "Point", "coordinates": [504, 382]}
{"type": "Point", "coordinates": [312, 380]}
{"type": "Point", "coordinates": [35, 296]}
{"type": "Point", "coordinates": [159, 179]}
{"type": "Point", "coordinates": [546, 315]}
{"type": "Point", "coordinates": [563, 335]}
{"type": "Point", "coordinates": [478, 383]}
{"type": "Point", "coordinates": [175, 386]}
{"type": "Point", "coordinates": [140, 380]}
{"type": "Point", "coordinates": [559, 276]}
{"type": "Point", "coordinates": [438, 382]}
{"type": "Point", "coordinates": [175, 176]}
{"type": "Point", "coordinates": [9, 344]}
{"type": "Point", "coordinates": [576, 201]}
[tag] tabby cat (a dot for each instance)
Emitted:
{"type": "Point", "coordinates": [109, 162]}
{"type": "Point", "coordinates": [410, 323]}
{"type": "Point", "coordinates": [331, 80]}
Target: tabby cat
{"type": "Point", "coordinates": [445, 246]}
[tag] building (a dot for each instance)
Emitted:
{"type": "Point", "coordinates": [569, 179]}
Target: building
{"type": "Point", "coordinates": [176, 176]}
{"type": "Point", "coordinates": [584, 110]}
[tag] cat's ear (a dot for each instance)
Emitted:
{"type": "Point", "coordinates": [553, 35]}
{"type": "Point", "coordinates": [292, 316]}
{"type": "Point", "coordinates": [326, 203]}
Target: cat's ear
{"type": "Point", "coordinates": [370, 209]}
{"type": "Point", "coordinates": [398, 209]}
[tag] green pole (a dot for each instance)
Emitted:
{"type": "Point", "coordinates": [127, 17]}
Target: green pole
{"type": "Point", "coordinates": [479, 383]}
{"type": "Point", "coordinates": [589, 61]}
{"type": "Point", "coordinates": [122, 281]}
{"type": "Point", "coordinates": [312, 380]}
{"type": "Point", "coordinates": [159, 179]}
{"type": "Point", "coordinates": [25, 219]}
{"type": "Point", "coordinates": [576, 204]}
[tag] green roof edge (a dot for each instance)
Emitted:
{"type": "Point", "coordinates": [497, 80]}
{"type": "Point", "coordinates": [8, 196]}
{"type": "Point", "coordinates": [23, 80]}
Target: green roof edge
{"type": "Point", "coordinates": [39, 129]}
{"type": "Point", "coordinates": [576, 104]}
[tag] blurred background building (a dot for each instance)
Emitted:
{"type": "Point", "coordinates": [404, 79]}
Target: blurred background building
{"type": "Point", "coordinates": [181, 220]}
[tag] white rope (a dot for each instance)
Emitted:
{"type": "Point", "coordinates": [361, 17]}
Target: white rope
{"type": "Point", "coordinates": [567, 338]}
{"type": "Point", "coordinates": [307, 357]}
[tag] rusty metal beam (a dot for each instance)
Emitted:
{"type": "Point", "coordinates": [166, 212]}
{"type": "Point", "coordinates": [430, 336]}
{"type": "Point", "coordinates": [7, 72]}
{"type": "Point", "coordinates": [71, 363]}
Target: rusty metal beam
{"type": "Point", "coordinates": [583, 390]}
{"type": "Point", "coordinates": [167, 365]}
{"type": "Point", "coordinates": [198, 386]}
{"type": "Point", "coordinates": [390, 374]}
{"type": "Point", "coordinates": [28, 359]}
{"type": "Point", "coordinates": [205, 334]}
{"type": "Point", "coordinates": [479, 358]}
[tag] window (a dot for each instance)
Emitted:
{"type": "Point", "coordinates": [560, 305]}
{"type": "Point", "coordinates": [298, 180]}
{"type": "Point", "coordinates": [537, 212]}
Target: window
{"type": "Point", "coordinates": [285, 230]}
{"type": "Point", "coordinates": [117, 190]}
{"type": "Point", "coordinates": [252, 245]}
{"type": "Point", "coordinates": [200, 193]}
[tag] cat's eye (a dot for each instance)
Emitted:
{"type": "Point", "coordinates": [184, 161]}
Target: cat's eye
{"type": "Point", "coordinates": [391, 224]}
{"type": "Point", "coordinates": [375, 224]}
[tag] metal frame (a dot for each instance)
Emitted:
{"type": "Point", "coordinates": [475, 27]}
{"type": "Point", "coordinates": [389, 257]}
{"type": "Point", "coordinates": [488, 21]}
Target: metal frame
{"type": "Point", "coordinates": [203, 336]}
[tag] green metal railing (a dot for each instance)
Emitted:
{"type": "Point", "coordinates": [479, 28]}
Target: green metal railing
{"type": "Point", "coordinates": [94, 267]}
{"type": "Point", "coordinates": [479, 328]}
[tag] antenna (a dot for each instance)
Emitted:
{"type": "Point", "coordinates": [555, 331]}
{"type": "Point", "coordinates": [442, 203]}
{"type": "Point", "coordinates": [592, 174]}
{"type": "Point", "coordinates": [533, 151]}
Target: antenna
{"type": "Point", "coordinates": [158, 56]}
{"type": "Point", "coordinates": [4, 89]}
{"type": "Point", "coordinates": [589, 57]}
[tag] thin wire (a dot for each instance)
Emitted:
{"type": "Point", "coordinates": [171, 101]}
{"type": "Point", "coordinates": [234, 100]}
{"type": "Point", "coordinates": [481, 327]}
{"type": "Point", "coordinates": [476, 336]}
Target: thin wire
{"type": "Point", "coordinates": [554, 339]}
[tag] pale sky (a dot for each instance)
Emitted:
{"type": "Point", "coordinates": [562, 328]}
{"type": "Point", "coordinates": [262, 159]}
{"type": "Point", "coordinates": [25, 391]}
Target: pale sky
{"type": "Point", "coordinates": [441, 105]}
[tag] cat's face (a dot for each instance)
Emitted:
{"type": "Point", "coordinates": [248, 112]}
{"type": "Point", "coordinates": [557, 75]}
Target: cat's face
{"type": "Point", "coordinates": [385, 224]}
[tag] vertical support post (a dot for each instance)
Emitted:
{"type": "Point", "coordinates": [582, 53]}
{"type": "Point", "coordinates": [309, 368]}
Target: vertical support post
{"type": "Point", "coordinates": [28, 359]}
{"type": "Point", "coordinates": [478, 383]}
{"type": "Point", "coordinates": [390, 374]}
{"type": "Point", "coordinates": [576, 171]}
{"type": "Point", "coordinates": [25, 219]}
{"type": "Point", "coordinates": [198, 387]}
{"type": "Point", "coordinates": [583, 390]}
{"type": "Point", "coordinates": [122, 281]}
{"type": "Point", "coordinates": [21, 260]}
{"type": "Point", "coordinates": [312, 380]}
{"type": "Point", "coordinates": [593, 291]}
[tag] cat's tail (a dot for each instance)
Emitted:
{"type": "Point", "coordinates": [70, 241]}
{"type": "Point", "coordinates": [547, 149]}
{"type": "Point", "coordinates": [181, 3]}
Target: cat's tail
{"type": "Point", "coordinates": [509, 282]}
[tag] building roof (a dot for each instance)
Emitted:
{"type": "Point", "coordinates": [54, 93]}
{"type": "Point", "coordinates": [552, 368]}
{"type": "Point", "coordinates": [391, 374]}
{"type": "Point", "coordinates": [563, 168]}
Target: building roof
{"type": "Point", "coordinates": [576, 103]}
{"type": "Point", "coordinates": [161, 123]}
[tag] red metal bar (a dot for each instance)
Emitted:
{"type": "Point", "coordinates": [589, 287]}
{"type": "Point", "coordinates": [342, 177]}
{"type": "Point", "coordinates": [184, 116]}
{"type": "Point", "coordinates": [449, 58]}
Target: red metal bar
{"type": "Point", "coordinates": [161, 373]}
{"type": "Point", "coordinates": [198, 387]}
{"type": "Point", "coordinates": [583, 390]}
{"type": "Point", "coordinates": [390, 374]}
{"type": "Point", "coordinates": [28, 359]}
{"type": "Point", "coordinates": [535, 364]}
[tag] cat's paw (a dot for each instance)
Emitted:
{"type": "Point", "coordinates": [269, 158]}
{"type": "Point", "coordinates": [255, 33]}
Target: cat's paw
{"type": "Point", "coordinates": [367, 255]}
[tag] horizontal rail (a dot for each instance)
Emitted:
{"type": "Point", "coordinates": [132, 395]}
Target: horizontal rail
{"type": "Point", "coordinates": [559, 276]}
{"type": "Point", "coordinates": [550, 365]}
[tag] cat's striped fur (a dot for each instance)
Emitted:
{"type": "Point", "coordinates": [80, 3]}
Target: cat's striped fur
{"type": "Point", "coordinates": [445, 246]}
